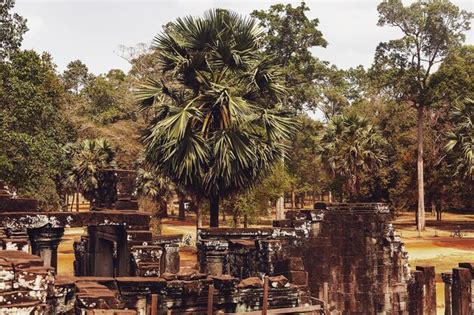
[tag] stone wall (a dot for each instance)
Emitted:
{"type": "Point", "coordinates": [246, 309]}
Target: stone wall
{"type": "Point", "coordinates": [356, 262]}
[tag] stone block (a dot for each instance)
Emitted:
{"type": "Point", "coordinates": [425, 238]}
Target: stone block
{"type": "Point", "coordinates": [461, 291]}
{"type": "Point", "coordinates": [429, 289]}
{"type": "Point", "coordinates": [297, 277]}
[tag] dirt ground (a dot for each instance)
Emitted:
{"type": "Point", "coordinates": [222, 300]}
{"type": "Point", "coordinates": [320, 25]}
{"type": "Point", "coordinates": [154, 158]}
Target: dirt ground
{"type": "Point", "coordinates": [435, 246]}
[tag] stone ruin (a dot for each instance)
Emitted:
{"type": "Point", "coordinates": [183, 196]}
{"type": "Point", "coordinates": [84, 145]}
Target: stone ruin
{"type": "Point", "coordinates": [347, 255]}
{"type": "Point", "coordinates": [119, 265]}
{"type": "Point", "coordinates": [339, 259]}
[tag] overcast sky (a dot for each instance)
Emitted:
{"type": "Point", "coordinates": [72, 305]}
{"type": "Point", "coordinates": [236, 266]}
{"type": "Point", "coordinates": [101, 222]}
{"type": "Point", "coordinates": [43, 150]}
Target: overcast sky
{"type": "Point", "coordinates": [93, 31]}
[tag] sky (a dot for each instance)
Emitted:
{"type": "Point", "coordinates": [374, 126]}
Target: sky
{"type": "Point", "coordinates": [95, 31]}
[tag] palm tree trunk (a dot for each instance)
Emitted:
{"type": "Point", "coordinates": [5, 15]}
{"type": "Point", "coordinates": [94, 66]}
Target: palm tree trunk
{"type": "Point", "coordinates": [357, 187]}
{"type": "Point", "coordinates": [72, 202]}
{"type": "Point", "coordinates": [181, 211]}
{"type": "Point", "coordinates": [420, 215]}
{"type": "Point", "coordinates": [293, 201]}
{"type": "Point", "coordinates": [235, 217]}
{"type": "Point", "coordinates": [77, 201]}
{"type": "Point", "coordinates": [214, 211]}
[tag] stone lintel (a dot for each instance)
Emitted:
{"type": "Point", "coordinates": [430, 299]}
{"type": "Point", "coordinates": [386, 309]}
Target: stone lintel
{"type": "Point", "coordinates": [18, 220]}
{"type": "Point", "coordinates": [233, 233]}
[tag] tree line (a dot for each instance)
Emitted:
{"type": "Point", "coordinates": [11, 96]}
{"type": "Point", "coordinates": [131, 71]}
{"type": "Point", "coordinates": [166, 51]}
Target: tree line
{"type": "Point", "coordinates": [217, 109]}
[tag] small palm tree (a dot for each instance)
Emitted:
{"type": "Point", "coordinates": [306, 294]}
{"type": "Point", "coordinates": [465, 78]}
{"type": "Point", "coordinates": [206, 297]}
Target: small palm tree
{"type": "Point", "coordinates": [460, 146]}
{"type": "Point", "coordinates": [218, 126]}
{"type": "Point", "coordinates": [350, 147]}
{"type": "Point", "coordinates": [158, 188]}
{"type": "Point", "coordinates": [87, 159]}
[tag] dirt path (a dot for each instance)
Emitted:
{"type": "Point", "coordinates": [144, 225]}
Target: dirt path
{"type": "Point", "coordinates": [436, 247]}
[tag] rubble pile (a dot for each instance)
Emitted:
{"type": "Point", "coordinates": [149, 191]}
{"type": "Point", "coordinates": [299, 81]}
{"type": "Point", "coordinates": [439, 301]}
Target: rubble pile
{"type": "Point", "coordinates": [24, 283]}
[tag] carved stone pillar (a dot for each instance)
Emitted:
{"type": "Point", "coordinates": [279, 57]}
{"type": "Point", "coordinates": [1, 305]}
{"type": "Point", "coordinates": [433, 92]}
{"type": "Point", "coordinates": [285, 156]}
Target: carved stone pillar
{"type": "Point", "coordinates": [44, 243]}
{"type": "Point", "coordinates": [171, 258]}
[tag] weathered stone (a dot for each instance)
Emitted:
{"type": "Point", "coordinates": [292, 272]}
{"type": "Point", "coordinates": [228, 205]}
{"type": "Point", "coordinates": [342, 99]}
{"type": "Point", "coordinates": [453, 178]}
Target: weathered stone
{"type": "Point", "coordinates": [429, 289]}
{"type": "Point", "coordinates": [278, 282]}
{"type": "Point", "coordinates": [252, 282]}
{"type": "Point", "coordinates": [461, 291]}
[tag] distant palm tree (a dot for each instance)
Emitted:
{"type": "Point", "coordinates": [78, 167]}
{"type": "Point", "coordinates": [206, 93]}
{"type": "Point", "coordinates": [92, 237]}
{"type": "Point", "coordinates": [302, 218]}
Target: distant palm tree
{"type": "Point", "coordinates": [158, 188]}
{"type": "Point", "coordinates": [460, 146]}
{"type": "Point", "coordinates": [87, 159]}
{"type": "Point", "coordinates": [218, 126]}
{"type": "Point", "coordinates": [350, 146]}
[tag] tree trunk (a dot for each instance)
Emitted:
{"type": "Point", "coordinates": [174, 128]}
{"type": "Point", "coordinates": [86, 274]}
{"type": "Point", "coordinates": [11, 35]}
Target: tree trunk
{"type": "Point", "coordinates": [77, 201]}
{"type": "Point", "coordinates": [246, 221]}
{"type": "Point", "coordinates": [214, 211]}
{"type": "Point", "coordinates": [293, 201]}
{"type": "Point", "coordinates": [72, 202]}
{"type": "Point", "coordinates": [235, 218]}
{"type": "Point", "coordinates": [438, 211]}
{"type": "Point", "coordinates": [420, 179]}
{"type": "Point", "coordinates": [357, 187]}
{"type": "Point", "coordinates": [163, 208]}
{"type": "Point", "coordinates": [330, 197]}
{"type": "Point", "coordinates": [181, 209]}
{"type": "Point", "coordinates": [433, 208]}
{"type": "Point", "coordinates": [195, 207]}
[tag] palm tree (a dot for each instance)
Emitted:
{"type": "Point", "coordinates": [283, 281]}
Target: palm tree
{"type": "Point", "coordinates": [350, 146]}
{"type": "Point", "coordinates": [158, 188]}
{"type": "Point", "coordinates": [218, 126]}
{"type": "Point", "coordinates": [87, 159]}
{"type": "Point", "coordinates": [460, 146]}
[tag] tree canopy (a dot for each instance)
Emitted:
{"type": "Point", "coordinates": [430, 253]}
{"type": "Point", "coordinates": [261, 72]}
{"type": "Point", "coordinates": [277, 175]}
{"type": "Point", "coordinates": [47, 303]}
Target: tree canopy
{"type": "Point", "coordinates": [218, 124]}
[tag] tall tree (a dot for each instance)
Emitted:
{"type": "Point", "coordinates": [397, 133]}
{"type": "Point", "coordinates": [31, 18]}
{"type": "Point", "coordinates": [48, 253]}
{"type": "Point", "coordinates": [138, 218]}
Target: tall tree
{"type": "Point", "coordinates": [289, 36]}
{"type": "Point", "coordinates": [12, 28]}
{"type": "Point", "coordinates": [403, 66]}
{"type": "Point", "coordinates": [33, 127]}
{"type": "Point", "coordinates": [217, 127]}
{"type": "Point", "coordinates": [76, 76]}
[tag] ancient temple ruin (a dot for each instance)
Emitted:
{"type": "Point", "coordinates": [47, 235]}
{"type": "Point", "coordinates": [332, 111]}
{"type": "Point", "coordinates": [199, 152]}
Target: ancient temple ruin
{"type": "Point", "coordinates": [336, 259]}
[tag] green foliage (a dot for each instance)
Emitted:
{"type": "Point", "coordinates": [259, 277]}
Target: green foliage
{"type": "Point", "coordinates": [430, 28]}
{"type": "Point", "coordinates": [108, 98]}
{"type": "Point", "coordinates": [289, 36]}
{"type": "Point", "coordinates": [350, 146]}
{"type": "Point", "coordinates": [152, 185]}
{"type": "Point", "coordinates": [33, 128]}
{"type": "Point", "coordinates": [87, 158]}
{"type": "Point", "coordinates": [76, 76]}
{"type": "Point", "coordinates": [12, 28]}
{"type": "Point", "coordinates": [303, 163]}
{"type": "Point", "coordinates": [460, 146]}
{"type": "Point", "coordinates": [218, 127]}
{"type": "Point", "coordinates": [455, 77]}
